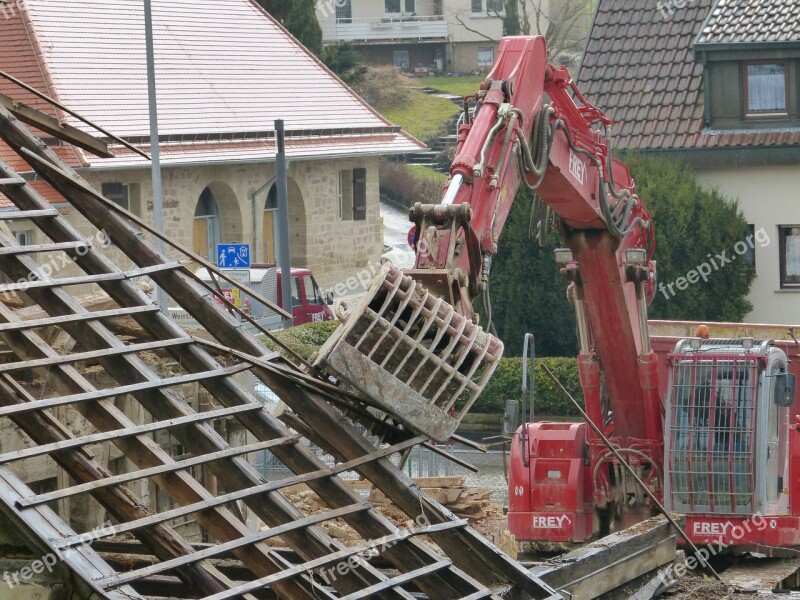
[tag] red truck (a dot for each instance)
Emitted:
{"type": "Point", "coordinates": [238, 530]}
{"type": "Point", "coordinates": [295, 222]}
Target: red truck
{"type": "Point", "coordinates": [309, 305]}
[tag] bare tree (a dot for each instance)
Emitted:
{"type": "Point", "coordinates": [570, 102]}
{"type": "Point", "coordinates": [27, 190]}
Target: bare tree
{"type": "Point", "coordinates": [564, 23]}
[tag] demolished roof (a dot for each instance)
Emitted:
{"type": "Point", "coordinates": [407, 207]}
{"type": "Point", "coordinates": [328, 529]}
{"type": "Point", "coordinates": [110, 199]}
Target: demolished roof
{"type": "Point", "coordinates": [456, 562]}
{"type": "Point", "coordinates": [225, 72]}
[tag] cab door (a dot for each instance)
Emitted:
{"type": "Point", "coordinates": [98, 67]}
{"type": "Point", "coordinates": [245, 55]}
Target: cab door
{"type": "Point", "coordinates": [314, 308]}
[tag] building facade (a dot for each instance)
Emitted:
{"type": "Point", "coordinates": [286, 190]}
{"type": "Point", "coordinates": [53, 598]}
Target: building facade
{"type": "Point", "coordinates": [452, 36]}
{"type": "Point", "coordinates": [715, 84]}
{"type": "Point", "coordinates": [225, 74]}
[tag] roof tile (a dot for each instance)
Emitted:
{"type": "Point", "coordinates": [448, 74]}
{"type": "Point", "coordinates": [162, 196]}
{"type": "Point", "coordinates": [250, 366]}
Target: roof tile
{"type": "Point", "coordinates": [224, 68]}
{"type": "Point", "coordinates": [645, 77]}
{"type": "Point", "coordinates": [752, 21]}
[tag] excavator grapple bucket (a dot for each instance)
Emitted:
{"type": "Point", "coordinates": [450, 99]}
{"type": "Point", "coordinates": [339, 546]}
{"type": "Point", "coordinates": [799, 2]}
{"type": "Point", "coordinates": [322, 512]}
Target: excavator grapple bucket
{"type": "Point", "coordinates": [411, 355]}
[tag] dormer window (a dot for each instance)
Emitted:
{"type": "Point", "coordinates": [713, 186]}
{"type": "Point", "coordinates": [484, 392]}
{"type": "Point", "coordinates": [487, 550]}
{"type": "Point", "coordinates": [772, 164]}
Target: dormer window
{"type": "Point", "coordinates": [765, 89]}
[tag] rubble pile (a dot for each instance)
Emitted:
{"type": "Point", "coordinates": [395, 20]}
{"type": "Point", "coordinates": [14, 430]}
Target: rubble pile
{"type": "Point", "coordinates": [473, 504]}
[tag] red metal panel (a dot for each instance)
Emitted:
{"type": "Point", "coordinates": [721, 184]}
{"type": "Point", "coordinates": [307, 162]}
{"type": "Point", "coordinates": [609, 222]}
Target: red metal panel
{"type": "Point", "coordinates": [550, 498]}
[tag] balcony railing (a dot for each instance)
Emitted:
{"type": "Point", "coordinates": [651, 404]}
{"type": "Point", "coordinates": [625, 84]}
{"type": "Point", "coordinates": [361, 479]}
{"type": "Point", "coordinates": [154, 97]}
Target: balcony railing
{"type": "Point", "coordinates": [386, 28]}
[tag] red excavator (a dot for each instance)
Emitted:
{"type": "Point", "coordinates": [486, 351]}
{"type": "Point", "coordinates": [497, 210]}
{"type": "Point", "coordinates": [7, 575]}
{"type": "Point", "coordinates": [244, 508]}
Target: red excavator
{"type": "Point", "coordinates": [714, 441]}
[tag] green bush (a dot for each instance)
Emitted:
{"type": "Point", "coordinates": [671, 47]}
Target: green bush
{"type": "Point", "coordinates": [305, 340]}
{"type": "Point", "coordinates": [385, 88]}
{"type": "Point", "coordinates": [506, 384]}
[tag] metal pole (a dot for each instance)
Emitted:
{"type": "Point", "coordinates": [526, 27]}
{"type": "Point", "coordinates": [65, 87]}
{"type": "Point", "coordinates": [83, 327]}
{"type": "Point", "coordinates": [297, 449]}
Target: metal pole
{"type": "Point", "coordinates": [630, 470]}
{"type": "Point", "coordinates": [284, 260]}
{"type": "Point", "coordinates": [155, 153]}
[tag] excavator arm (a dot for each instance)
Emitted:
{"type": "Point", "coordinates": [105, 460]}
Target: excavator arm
{"type": "Point", "coordinates": [413, 348]}
{"type": "Point", "coordinates": [533, 127]}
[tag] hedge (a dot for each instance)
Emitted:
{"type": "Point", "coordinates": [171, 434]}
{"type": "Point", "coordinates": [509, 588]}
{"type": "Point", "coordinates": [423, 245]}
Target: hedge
{"type": "Point", "coordinates": [505, 384]}
{"type": "Point", "coordinates": [305, 340]}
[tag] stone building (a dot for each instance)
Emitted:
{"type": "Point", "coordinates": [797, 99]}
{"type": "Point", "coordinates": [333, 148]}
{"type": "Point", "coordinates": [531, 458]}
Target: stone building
{"type": "Point", "coordinates": [225, 72]}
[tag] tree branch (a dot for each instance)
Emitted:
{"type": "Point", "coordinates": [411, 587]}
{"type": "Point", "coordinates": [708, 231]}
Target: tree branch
{"type": "Point", "coordinates": [475, 31]}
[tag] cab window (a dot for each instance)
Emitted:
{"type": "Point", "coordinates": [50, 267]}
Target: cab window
{"type": "Point", "coordinates": [313, 295]}
{"type": "Point", "coordinates": [296, 292]}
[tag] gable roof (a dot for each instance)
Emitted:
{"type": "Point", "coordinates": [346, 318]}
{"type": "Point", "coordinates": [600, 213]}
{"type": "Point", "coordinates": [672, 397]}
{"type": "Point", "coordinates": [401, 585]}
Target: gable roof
{"type": "Point", "coordinates": [639, 68]}
{"type": "Point", "coordinates": [752, 22]}
{"type": "Point", "coordinates": [225, 70]}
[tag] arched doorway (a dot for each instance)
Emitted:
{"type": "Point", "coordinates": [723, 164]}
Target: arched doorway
{"type": "Point", "coordinates": [270, 231]}
{"type": "Point", "coordinates": [217, 220]}
{"type": "Point", "coordinates": [206, 234]}
{"type": "Point", "coordinates": [269, 225]}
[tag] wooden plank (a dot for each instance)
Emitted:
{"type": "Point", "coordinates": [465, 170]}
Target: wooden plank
{"type": "Point", "coordinates": [39, 248]}
{"type": "Point", "coordinates": [79, 357]}
{"type": "Point", "coordinates": [62, 131]}
{"type": "Point", "coordinates": [399, 580]}
{"type": "Point", "coordinates": [114, 434]}
{"type": "Point", "coordinates": [178, 465]}
{"type": "Point", "coordinates": [93, 396]}
{"type": "Point", "coordinates": [615, 560]}
{"type": "Point", "coordinates": [99, 314]}
{"type": "Point", "coordinates": [20, 215]}
{"type": "Point", "coordinates": [26, 286]}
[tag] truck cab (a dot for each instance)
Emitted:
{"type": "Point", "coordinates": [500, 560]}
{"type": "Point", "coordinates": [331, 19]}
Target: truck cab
{"type": "Point", "coordinates": [309, 305]}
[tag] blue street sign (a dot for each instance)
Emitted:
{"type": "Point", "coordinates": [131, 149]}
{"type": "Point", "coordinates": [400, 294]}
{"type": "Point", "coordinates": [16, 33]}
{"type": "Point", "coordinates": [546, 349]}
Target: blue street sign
{"type": "Point", "coordinates": [233, 256]}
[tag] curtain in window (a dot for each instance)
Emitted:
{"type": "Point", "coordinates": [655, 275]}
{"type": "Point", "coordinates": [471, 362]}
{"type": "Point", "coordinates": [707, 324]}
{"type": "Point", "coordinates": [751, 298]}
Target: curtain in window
{"type": "Point", "coordinates": [392, 6]}
{"type": "Point", "coordinates": [766, 88]}
{"type": "Point", "coordinates": [793, 255]}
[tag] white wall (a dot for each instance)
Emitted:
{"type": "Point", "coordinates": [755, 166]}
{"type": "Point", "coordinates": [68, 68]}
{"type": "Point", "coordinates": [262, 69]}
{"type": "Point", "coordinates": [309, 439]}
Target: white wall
{"type": "Point", "coordinates": [768, 197]}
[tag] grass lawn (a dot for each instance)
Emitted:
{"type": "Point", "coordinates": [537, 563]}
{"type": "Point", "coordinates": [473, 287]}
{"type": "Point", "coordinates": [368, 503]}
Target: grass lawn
{"type": "Point", "coordinates": [423, 116]}
{"type": "Point", "coordinates": [458, 86]}
{"type": "Point", "coordinates": [424, 172]}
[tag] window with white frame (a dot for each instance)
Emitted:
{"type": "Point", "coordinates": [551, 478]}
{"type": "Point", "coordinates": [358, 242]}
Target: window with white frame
{"type": "Point", "coordinates": [24, 238]}
{"type": "Point", "coordinates": [391, 7]}
{"type": "Point", "coordinates": [485, 57]}
{"type": "Point", "coordinates": [789, 245]}
{"type": "Point", "coordinates": [765, 88]}
{"type": "Point", "coordinates": [487, 7]}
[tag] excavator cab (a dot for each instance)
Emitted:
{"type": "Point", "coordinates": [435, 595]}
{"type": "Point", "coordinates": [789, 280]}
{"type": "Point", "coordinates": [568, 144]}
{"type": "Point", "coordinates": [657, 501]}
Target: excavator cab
{"type": "Point", "coordinates": [727, 438]}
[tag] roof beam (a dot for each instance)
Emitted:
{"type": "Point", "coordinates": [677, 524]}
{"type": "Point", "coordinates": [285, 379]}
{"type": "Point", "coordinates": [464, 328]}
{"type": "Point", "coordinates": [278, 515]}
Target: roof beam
{"type": "Point", "coordinates": [48, 124]}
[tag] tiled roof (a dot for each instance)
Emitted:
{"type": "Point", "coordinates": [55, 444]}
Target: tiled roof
{"type": "Point", "coordinates": [639, 68]}
{"type": "Point", "coordinates": [186, 153]}
{"type": "Point", "coordinates": [223, 67]}
{"type": "Point", "coordinates": [752, 21]}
